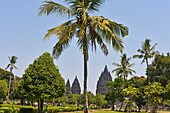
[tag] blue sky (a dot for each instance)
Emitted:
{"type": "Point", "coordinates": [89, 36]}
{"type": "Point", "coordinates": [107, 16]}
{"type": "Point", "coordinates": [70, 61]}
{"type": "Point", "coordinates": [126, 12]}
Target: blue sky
{"type": "Point", "coordinates": [22, 32]}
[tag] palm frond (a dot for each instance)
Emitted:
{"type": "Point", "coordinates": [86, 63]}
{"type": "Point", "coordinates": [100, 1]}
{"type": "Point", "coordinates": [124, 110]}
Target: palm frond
{"type": "Point", "coordinates": [13, 60]}
{"type": "Point", "coordinates": [7, 66]}
{"type": "Point", "coordinates": [101, 43]}
{"type": "Point", "coordinates": [137, 56]}
{"type": "Point", "coordinates": [15, 67]}
{"type": "Point", "coordinates": [68, 28]}
{"type": "Point", "coordinates": [130, 65]}
{"type": "Point", "coordinates": [95, 4]}
{"type": "Point", "coordinates": [153, 47]}
{"type": "Point", "coordinates": [59, 47]}
{"type": "Point", "coordinates": [50, 7]}
{"type": "Point", "coordinates": [141, 51]}
{"type": "Point", "coordinates": [116, 64]}
{"type": "Point", "coordinates": [110, 31]}
{"type": "Point", "coordinates": [65, 32]}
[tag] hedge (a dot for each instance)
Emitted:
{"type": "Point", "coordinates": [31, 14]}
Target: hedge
{"type": "Point", "coordinates": [51, 109]}
{"type": "Point", "coordinates": [1, 111]}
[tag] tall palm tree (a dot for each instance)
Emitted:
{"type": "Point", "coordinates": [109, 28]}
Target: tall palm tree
{"type": "Point", "coordinates": [89, 30]}
{"type": "Point", "coordinates": [12, 60]}
{"type": "Point", "coordinates": [146, 52]}
{"type": "Point", "coordinates": [124, 68]}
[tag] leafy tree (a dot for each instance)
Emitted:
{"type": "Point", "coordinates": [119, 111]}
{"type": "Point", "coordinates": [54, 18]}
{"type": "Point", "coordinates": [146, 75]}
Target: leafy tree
{"type": "Point", "coordinates": [124, 68]}
{"type": "Point", "coordinates": [139, 82]}
{"type": "Point", "coordinates": [100, 100]}
{"type": "Point", "coordinates": [3, 89]}
{"type": "Point", "coordinates": [159, 70]}
{"type": "Point", "coordinates": [5, 75]}
{"type": "Point", "coordinates": [19, 92]}
{"type": "Point", "coordinates": [116, 91]}
{"type": "Point", "coordinates": [154, 92]}
{"type": "Point", "coordinates": [111, 97]}
{"type": "Point", "coordinates": [11, 65]}
{"type": "Point", "coordinates": [63, 99]}
{"type": "Point", "coordinates": [91, 98]}
{"type": "Point", "coordinates": [88, 29]}
{"type": "Point", "coordinates": [146, 52]}
{"type": "Point", "coordinates": [130, 92]}
{"type": "Point", "coordinates": [71, 98]}
{"type": "Point", "coordinates": [43, 80]}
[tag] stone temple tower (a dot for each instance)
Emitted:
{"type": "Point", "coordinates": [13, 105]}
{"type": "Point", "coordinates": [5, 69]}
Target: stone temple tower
{"type": "Point", "coordinates": [101, 83]}
{"type": "Point", "coordinates": [75, 89]}
{"type": "Point", "coordinates": [68, 89]}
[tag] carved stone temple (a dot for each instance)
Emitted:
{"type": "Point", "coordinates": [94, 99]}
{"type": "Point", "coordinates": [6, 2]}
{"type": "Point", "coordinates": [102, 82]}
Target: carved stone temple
{"type": "Point", "coordinates": [101, 83]}
{"type": "Point", "coordinates": [75, 88]}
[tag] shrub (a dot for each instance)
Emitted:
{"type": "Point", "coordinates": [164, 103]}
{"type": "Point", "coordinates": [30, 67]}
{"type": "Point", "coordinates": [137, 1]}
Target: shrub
{"type": "Point", "coordinates": [1, 111]}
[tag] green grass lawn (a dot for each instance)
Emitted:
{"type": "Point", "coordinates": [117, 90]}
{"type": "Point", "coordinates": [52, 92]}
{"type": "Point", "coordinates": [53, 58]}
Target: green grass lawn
{"type": "Point", "coordinates": [108, 111]}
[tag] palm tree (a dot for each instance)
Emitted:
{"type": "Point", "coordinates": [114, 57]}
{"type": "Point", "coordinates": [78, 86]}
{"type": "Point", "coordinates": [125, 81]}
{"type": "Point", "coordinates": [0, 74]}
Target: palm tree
{"type": "Point", "coordinates": [124, 68]}
{"type": "Point", "coordinates": [146, 52]}
{"type": "Point", "coordinates": [89, 30]}
{"type": "Point", "coordinates": [11, 65]}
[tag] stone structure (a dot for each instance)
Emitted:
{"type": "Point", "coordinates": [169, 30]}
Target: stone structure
{"type": "Point", "coordinates": [101, 83]}
{"type": "Point", "coordinates": [75, 88]}
{"type": "Point", "coordinates": [68, 89]}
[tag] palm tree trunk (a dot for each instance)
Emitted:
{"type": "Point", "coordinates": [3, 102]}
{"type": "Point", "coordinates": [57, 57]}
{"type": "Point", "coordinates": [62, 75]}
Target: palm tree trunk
{"type": "Point", "coordinates": [148, 83]}
{"type": "Point", "coordinates": [9, 84]}
{"type": "Point", "coordinates": [86, 109]}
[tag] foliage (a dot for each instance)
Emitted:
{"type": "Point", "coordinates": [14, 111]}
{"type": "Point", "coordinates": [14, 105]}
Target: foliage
{"type": "Point", "coordinates": [130, 92]}
{"type": "Point", "coordinates": [100, 100]}
{"type": "Point", "coordinates": [115, 91]}
{"type": "Point", "coordinates": [3, 89]}
{"type": "Point", "coordinates": [154, 92]}
{"type": "Point", "coordinates": [159, 70]}
{"type": "Point", "coordinates": [139, 82]}
{"type": "Point", "coordinates": [5, 75]}
{"type": "Point", "coordinates": [146, 52]}
{"type": "Point", "coordinates": [91, 98]}
{"type": "Point", "coordinates": [43, 80]}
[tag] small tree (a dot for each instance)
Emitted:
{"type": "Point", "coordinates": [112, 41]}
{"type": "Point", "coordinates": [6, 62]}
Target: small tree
{"type": "Point", "coordinates": [115, 91]}
{"type": "Point", "coordinates": [130, 92]}
{"type": "Point", "coordinates": [154, 92]}
{"type": "Point", "coordinates": [3, 89]}
{"type": "Point", "coordinates": [43, 80]}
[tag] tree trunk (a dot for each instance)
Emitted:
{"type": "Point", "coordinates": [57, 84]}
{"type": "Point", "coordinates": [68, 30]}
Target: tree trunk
{"type": "Point", "coordinates": [22, 101]}
{"type": "Point", "coordinates": [139, 108]}
{"type": "Point", "coordinates": [148, 83]}
{"type": "Point", "coordinates": [9, 85]}
{"type": "Point", "coordinates": [86, 109]}
{"type": "Point", "coordinates": [41, 105]}
{"type": "Point", "coordinates": [113, 106]}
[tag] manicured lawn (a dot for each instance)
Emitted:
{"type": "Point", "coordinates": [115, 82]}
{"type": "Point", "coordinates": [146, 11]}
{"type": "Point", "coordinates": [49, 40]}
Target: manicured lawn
{"type": "Point", "coordinates": [108, 111]}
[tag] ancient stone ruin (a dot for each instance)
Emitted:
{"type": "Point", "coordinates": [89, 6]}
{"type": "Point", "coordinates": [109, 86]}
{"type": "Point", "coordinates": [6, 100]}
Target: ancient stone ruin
{"type": "Point", "coordinates": [74, 89]}
{"type": "Point", "coordinates": [101, 83]}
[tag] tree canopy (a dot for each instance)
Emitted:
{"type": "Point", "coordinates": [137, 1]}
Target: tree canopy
{"type": "Point", "coordinates": [42, 80]}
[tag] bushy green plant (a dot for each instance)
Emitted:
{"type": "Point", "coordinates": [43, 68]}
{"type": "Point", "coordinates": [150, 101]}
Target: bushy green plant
{"type": "Point", "coordinates": [1, 111]}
